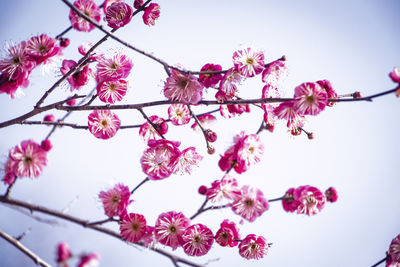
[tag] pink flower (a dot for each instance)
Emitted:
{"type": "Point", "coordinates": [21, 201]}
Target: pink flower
{"type": "Point", "coordinates": [138, 4]}
{"type": "Point", "coordinates": [394, 250]}
{"type": "Point", "coordinates": [151, 14]}
{"type": "Point", "coordinates": [251, 204]}
{"type": "Point", "coordinates": [249, 151]}
{"type": "Point", "coordinates": [228, 234]}
{"type": "Point", "coordinates": [115, 200]}
{"type": "Point", "coordinates": [148, 237]}
{"type": "Point", "coordinates": [108, 3]}
{"type": "Point", "coordinates": [270, 91]}
{"type": "Point", "coordinates": [27, 159]}
{"type": "Point", "coordinates": [19, 64]}
{"type": "Point", "coordinates": [187, 160]}
{"type": "Point", "coordinates": [169, 228]}
{"type": "Point", "coordinates": [159, 158]}
{"type": "Point", "coordinates": [118, 14]}
{"type": "Point", "coordinates": [248, 62]}
{"type": "Point", "coordinates": [331, 194]}
{"type": "Point", "coordinates": [79, 78]}
{"type": "Point", "coordinates": [226, 188]}
{"type": "Point", "coordinates": [273, 72]}
{"type": "Point", "coordinates": [110, 91]}
{"type": "Point", "coordinates": [327, 86]}
{"type": "Point", "coordinates": [209, 80]}
{"type": "Point", "coordinates": [309, 99]}
{"type": "Point", "coordinates": [286, 111]}
{"type": "Point", "coordinates": [90, 9]}
{"type": "Point", "coordinates": [9, 172]}
{"type": "Point", "coordinates": [42, 47]}
{"type": "Point", "coordinates": [113, 68]}
{"type": "Point", "coordinates": [147, 132]}
{"type": "Point", "coordinates": [197, 240]}
{"type": "Point", "coordinates": [229, 81]}
{"type": "Point", "coordinates": [133, 227]}
{"type": "Point", "coordinates": [89, 260]}
{"type": "Point", "coordinates": [183, 88]}
{"type": "Point", "coordinates": [310, 199]}
{"type": "Point", "coordinates": [289, 203]}
{"type": "Point", "coordinates": [253, 247]}
{"type": "Point", "coordinates": [63, 252]}
{"type": "Point", "coordinates": [391, 263]}
{"type": "Point", "coordinates": [205, 121]}
{"type": "Point", "coordinates": [179, 114]}
{"type": "Point", "coordinates": [395, 75]}
{"type": "Point", "coordinates": [12, 87]}
{"type": "Point", "coordinates": [103, 124]}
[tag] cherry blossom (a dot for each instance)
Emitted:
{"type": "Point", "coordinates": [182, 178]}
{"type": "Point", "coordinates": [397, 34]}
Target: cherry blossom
{"type": "Point", "coordinates": [108, 3]}
{"type": "Point", "coordinates": [395, 75]}
{"type": "Point", "coordinates": [187, 160]}
{"type": "Point", "coordinates": [288, 202]}
{"type": "Point", "coordinates": [248, 61]}
{"type": "Point", "coordinates": [63, 253]}
{"type": "Point", "coordinates": [253, 247]}
{"type": "Point", "coordinates": [103, 124]}
{"type": "Point", "coordinates": [228, 234]}
{"type": "Point", "coordinates": [18, 64]}
{"type": "Point", "coordinates": [226, 188]}
{"type": "Point", "coordinates": [147, 132]}
{"type": "Point", "coordinates": [273, 72]}
{"type": "Point", "coordinates": [79, 78]}
{"type": "Point", "coordinates": [42, 47]}
{"type": "Point", "coordinates": [179, 114]}
{"type": "Point", "coordinates": [197, 240]}
{"type": "Point", "coordinates": [182, 87]}
{"type": "Point", "coordinates": [115, 200]}
{"type": "Point", "coordinates": [210, 80]}
{"type": "Point", "coordinates": [309, 99]}
{"type": "Point", "coordinates": [310, 200]}
{"type": "Point", "coordinates": [110, 91]}
{"type": "Point", "coordinates": [46, 145]}
{"type": "Point", "coordinates": [117, 67]}
{"type": "Point", "coordinates": [394, 250]}
{"type": "Point", "coordinates": [133, 227]}
{"type": "Point", "coordinates": [287, 111]}
{"type": "Point", "coordinates": [138, 4]}
{"type": "Point", "coordinates": [169, 228]}
{"type": "Point", "coordinates": [90, 9]}
{"type": "Point", "coordinates": [151, 14]}
{"type": "Point", "coordinates": [331, 93]}
{"type": "Point", "coordinates": [229, 82]}
{"type": "Point", "coordinates": [118, 14]}
{"type": "Point", "coordinates": [251, 203]}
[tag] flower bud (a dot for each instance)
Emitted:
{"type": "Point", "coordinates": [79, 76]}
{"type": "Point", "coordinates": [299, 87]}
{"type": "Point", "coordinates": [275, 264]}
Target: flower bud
{"type": "Point", "coordinates": [49, 118]}
{"type": "Point", "coordinates": [64, 42]}
{"type": "Point", "coordinates": [46, 145]}
{"type": "Point", "coordinates": [71, 102]}
{"type": "Point", "coordinates": [210, 136]}
{"type": "Point", "coordinates": [202, 190]}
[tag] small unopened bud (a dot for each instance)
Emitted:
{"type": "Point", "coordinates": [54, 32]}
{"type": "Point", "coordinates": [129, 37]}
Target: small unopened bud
{"type": "Point", "coordinates": [71, 102]}
{"type": "Point", "coordinates": [270, 127]}
{"type": "Point", "coordinates": [202, 190]}
{"type": "Point", "coordinates": [138, 4]}
{"type": "Point", "coordinates": [211, 136]}
{"type": "Point", "coordinates": [310, 136]}
{"type": "Point", "coordinates": [46, 145]}
{"type": "Point", "coordinates": [357, 95]}
{"type": "Point", "coordinates": [162, 127]}
{"type": "Point", "coordinates": [49, 118]}
{"type": "Point", "coordinates": [64, 42]}
{"type": "Point", "coordinates": [210, 150]}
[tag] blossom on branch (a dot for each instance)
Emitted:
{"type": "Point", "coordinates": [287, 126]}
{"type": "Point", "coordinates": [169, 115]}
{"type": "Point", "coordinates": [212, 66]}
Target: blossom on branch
{"type": "Point", "coordinates": [79, 78]}
{"type": "Point", "coordinates": [115, 200]}
{"type": "Point", "coordinates": [253, 247]}
{"type": "Point", "coordinates": [331, 194]}
{"type": "Point", "coordinates": [394, 250]}
{"type": "Point", "coordinates": [310, 200]}
{"type": "Point", "coordinates": [117, 67]}
{"type": "Point", "coordinates": [331, 93]}
{"type": "Point", "coordinates": [273, 72]}
{"type": "Point", "coordinates": [248, 61]}
{"type": "Point", "coordinates": [112, 90]}
{"type": "Point", "coordinates": [147, 132]}
{"type": "Point", "coordinates": [179, 114]}
{"type": "Point", "coordinates": [18, 65]}
{"type": "Point", "coordinates": [226, 188]}
{"type": "Point", "coordinates": [151, 14]}
{"type": "Point", "coordinates": [63, 253]}
{"type": "Point", "coordinates": [103, 124]}
{"type": "Point", "coordinates": [197, 240]}
{"type": "Point", "coordinates": [118, 14]}
{"type": "Point", "coordinates": [309, 99]}
{"type": "Point", "coordinates": [187, 160]}
{"type": "Point", "coordinates": [209, 80]}
{"type": "Point", "coordinates": [41, 48]}
{"type": "Point", "coordinates": [182, 87]}
{"type": "Point", "coordinates": [169, 228]}
{"type": "Point", "coordinates": [251, 204]}
{"type": "Point", "coordinates": [395, 75]}
{"type": "Point", "coordinates": [90, 9]}
{"type": "Point", "coordinates": [228, 234]}
{"type": "Point", "coordinates": [133, 227]}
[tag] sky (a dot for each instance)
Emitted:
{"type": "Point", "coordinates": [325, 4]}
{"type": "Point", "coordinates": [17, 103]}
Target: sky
{"type": "Point", "coordinates": [354, 44]}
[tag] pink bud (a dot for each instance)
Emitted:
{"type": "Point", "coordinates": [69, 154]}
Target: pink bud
{"type": "Point", "coordinates": [357, 95]}
{"type": "Point", "coordinates": [64, 42]}
{"type": "Point", "coordinates": [310, 136]}
{"type": "Point", "coordinates": [46, 145]}
{"type": "Point", "coordinates": [49, 118]}
{"type": "Point", "coordinates": [71, 102]}
{"type": "Point", "coordinates": [202, 190]}
{"type": "Point", "coordinates": [138, 4]}
{"type": "Point", "coordinates": [210, 150]}
{"type": "Point", "coordinates": [63, 252]}
{"type": "Point", "coordinates": [211, 136]}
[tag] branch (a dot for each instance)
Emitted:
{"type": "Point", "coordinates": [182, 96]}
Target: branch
{"type": "Point", "coordinates": [24, 249]}
{"type": "Point", "coordinates": [86, 224]}
{"type": "Point", "coordinates": [379, 262]}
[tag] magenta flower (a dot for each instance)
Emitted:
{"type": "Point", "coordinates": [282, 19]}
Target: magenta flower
{"type": "Point", "coordinates": [103, 124]}
{"type": "Point", "coordinates": [63, 253]}
{"type": "Point", "coordinates": [18, 65]}
{"type": "Point", "coordinates": [286, 111]}
{"type": "Point", "coordinates": [148, 238]}
{"type": "Point", "coordinates": [27, 159]}
{"type": "Point", "coordinates": [118, 14]}
{"type": "Point", "coordinates": [187, 160]}
{"type": "Point", "coordinates": [159, 158]}
{"type": "Point", "coordinates": [90, 9]}
{"type": "Point", "coordinates": [249, 151]}
{"type": "Point", "coordinates": [147, 132]}
{"type": "Point", "coordinates": [113, 68]}
{"type": "Point", "coordinates": [251, 203]}
{"type": "Point", "coordinates": [151, 14]}
{"type": "Point", "coordinates": [248, 62]}
{"type": "Point", "coordinates": [209, 80]}
{"type": "Point", "coordinates": [184, 88]}
{"type": "Point", "coordinates": [327, 86]}
{"type": "Point", "coordinates": [270, 91]}
{"type": "Point", "coordinates": [108, 3]}
{"type": "Point", "coordinates": [115, 200]}
{"type": "Point", "coordinates": [228, 84]}
{"type": "Point", "coordinates": [179, 114]}
{"type": "Point", "coordinates": [110, 91]}
{"type": "Point", "coordinates": [13, 87]}
{"type": "Point", "coordinates": [395, 75]}
{"type": "Point", "coordinates": [9, 172]}
{"type": "Point", "coordinates": [89, 260]}
{"type": "Point", "coordinates": [273, 72]}
{"type": "Point", "coordinates": [197, 240]}
{"type": "Point", "coordinates": [169, 228]}
{"type": "Point", "coordinates": [253, 247]}
{"type": "Point", "coordinates": [226, 188]}
{"type": "Point", "coordinates": [331, 194]}
{"type": "Point", "coordinates": [394, 250]}
{"type": "Point", "coordinates": [228, 234]}
{"type": "Point", "coordinates": [133, 227]}
{"type": "Point", "coordinates": [42, 47]}
{"type": "Point", "coordinates": [309, 99]}
{"type": "Point", "coordinates": [79, 78]}
{"type": "Point", "coordinates": [310, 199]}
{"type": "Point", "coordinates": [289, 203]}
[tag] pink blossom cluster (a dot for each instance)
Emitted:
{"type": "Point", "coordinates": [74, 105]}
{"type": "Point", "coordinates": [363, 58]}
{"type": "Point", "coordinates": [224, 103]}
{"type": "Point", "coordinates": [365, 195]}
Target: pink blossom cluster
{"type": "Point", "coordinates": [22, 58]}
{"type": "Point", "coordinates": [163, 158]}
{"type": "Point", "coordinates": [393, 255]}
{"type": "Point", "coordinates": [246, 151]}
{"type": "Point", "coordinates": [307, 199]}
{"type": "Point", "coordinates": [26, 159]}
{"type": "Point", "coordinates": [64, 254]}
{"type": "Point", "coordinates": [395, 76]}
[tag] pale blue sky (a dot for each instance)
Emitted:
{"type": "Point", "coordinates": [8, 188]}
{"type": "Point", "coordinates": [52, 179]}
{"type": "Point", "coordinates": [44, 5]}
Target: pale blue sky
{"type": "Point", "coordinates": [354, 44]}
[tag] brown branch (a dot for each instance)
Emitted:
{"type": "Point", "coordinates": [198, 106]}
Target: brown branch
{"type": "Point", "coordinates": [140, 184]}
{"type": "Point", "coordinates": [86, 224]}
{"type": "Point", "coordinates": [151, 123]}
{"type": "Point", "coordinates": [381, 261]}
{"type": "Point", "coordinates": [210, 148]}
{"type": "Point", "coordinates": [24, 249]}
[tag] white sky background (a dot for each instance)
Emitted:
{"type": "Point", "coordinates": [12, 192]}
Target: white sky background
{"type": "Point", "coordinates": [354, 44]}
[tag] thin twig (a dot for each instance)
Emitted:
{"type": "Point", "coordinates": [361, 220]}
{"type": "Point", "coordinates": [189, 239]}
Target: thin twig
{"type": "Point", "coordinates": [140, 184]}
{"type": "Point", "coordinates": [209, 147]}
{"type": "Point", "coordinates": [379, 262]}
{"type": "Point", "coordinates": [151, 123]}
{"type": "Point", "coordinates": [24, 249]}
